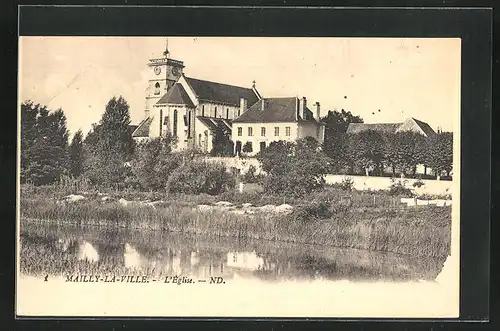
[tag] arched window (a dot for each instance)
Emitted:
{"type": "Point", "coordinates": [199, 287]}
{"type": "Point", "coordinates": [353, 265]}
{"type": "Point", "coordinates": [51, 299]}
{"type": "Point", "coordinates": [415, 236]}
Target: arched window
{"type": "Point", "coordinates": [189, 124]}
{"type": "Point", "coordinates": [203, 110]}
{"type": "Point", "coordinates": [227, 113]}
{"type": "Point", "coordinates": [157, 88]}
{"type": "Point", "coordinates": [175, 123]}
{"type": "Point", "coordinates": [215, 112]}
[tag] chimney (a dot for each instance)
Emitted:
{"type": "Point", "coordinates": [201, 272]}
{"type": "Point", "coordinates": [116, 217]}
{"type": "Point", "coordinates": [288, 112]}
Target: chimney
{"type": "Point", "coordinates": [243, 105]}
{"type": "Point", "coordinates": [297, 109]}
{"type": "Point", "coordinates": [302, 107]}
{"type": "Point", "coordinates": [317, 110]}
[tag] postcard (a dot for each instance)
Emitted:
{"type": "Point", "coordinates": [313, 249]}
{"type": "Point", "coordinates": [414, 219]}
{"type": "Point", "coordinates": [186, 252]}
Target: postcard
{"type": "Point", "coordinates": [239, 177]}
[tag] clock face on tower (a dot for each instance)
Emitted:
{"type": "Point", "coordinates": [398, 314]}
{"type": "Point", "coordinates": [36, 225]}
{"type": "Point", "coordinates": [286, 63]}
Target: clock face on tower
{"type": "Point", "coordinates": [175, 71]}
{"type": "Point", "coordinates": [157, 70]}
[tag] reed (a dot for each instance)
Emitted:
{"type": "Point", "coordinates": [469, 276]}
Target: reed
{"type": "Point", "coordinates": [423, 231]}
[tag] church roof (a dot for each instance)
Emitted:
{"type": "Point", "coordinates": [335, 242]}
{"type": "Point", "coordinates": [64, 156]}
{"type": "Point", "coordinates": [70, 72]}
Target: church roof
{"type": "Point", "coordinates": [143, 128]}
{"type": "Point", "coordinates": [214, 123]}
{"type": "Point", "coordinates": [176, 95]}
{"type": "Point", "coordinates": [274, 110]}
{"type": "Point", "coordinates": [223, 93]}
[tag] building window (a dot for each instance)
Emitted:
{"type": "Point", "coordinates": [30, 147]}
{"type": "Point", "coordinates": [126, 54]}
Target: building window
{"type": "Point", "coordinates": [263, 131]}
{"type": "Point", "coordinates": [166, 124]}
{"type": "Point", "coordinates": [287, 131]}
{"type": "Point", "coordinates": [161, 124]}
{"type": "Point", "coordinates": [276, 131]}
{"type": "Point", "coordinates": [189, 123]}
{"type": "Point", "coordinates": [227, 113]}
{"type": "Point", "coordinates": [157, 88]}
{"type": "Point", "coordinates": [239, 111]}
{"type": "Point", "coordinates": [250, 131]}
{"type": "Point", "coordinates": [199, 140]}
{"type": "Point", "coordinates": [215, 113]}
{"type": "Point", "coordinates": [240, 131]}
{"type": "Point", "coordinates": [175, 123]}
{"type": "Point", "coordinates": [203, 110]}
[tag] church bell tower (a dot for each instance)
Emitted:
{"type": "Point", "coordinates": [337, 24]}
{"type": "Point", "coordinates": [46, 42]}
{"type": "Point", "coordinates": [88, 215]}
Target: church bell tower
{"type": "Point", "coordinates": [163, 73]}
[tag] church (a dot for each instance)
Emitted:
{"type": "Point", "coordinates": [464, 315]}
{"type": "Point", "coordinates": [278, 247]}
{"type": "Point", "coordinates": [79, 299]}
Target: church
{"type": "Point", "coordinates": [202, 114]}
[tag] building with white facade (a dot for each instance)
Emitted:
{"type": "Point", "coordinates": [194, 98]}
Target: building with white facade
{"type": "Point", "coordinates": [274, 119]}
{"type": "Point", "coordinates": [195, 111]}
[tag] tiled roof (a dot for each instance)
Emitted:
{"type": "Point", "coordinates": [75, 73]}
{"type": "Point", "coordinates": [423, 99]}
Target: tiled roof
{"type": "Point", "coordinates": [223, 93]}
{"type": "Point", "coordinates": [132, 128]}
{"type": "Point", "coordinates": [425, 127]}
{"type": "Point", "coordinates": [390, 127]}
{"type": "Point", "coordinates": [380, 127]}
{"type": "Point", "coordinates": [214, 123]}
{"type": "Point", "coordinates": [274, 110]}
{"type": "Point", "coordinates": [143, 128]}
{"type": "Point", "coordinates": [176, 95]}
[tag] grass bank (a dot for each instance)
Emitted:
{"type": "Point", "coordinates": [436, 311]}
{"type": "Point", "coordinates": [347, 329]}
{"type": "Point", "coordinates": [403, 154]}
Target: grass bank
{"type": "Point", "coordinates": [421, 231]}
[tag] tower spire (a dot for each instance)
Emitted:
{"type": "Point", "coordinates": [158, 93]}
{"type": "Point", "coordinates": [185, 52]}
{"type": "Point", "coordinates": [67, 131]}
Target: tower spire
{"type": "Point", "coordinates": [166, 52]}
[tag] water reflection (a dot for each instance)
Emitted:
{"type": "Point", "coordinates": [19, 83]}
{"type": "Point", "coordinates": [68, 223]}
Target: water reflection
{"type": "Point", "coordinates": [61, 250]}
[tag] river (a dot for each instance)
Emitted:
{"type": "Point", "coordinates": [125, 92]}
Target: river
{"type": "Point", "coordinates": [63, 249]}
{"type": "Point", "coordinates": [217, 276]}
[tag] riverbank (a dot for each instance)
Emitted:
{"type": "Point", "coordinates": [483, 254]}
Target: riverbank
{"type": "Point", "coordinates": [418, 231]}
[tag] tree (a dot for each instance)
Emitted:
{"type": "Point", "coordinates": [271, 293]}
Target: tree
{"type": "Point", "coordinates": [29, 114]}
{"type": "Point", "coordinates": [278, 152]}
{"type": "Point", "coordinates": [440, 153]}
{"type": "Point", "coordinates": [154, 161]}
{"type": "Point", "coordinates": [335, 144]}
{"type": "Point", "coordinates": [195, 177]}
{"type": "Point", "coordinates": [109, 145]}
{"type": "Point", "coordinates": [248, 148]}
{"type": "Point", "coordinates": [222, 144]}
{"type": "Point", "coordinates": [367, 150]}
{"type": "Point", "coordinates": [389, 151]}
{"type": "Point", "coordinates": [338, 121]}
{"type": "Point", "coordinates": [293, 169]}
{"type": "Point", "coordinates": [404, 150]}
{"type": "Point", "coordinates": [114, 132]}
{"type": "Point", "coordinates": [44, 144]}
{"type": "Point", "coordinates": [76, 154]}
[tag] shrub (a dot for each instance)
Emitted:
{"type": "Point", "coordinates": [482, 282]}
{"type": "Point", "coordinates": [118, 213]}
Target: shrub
{"type": "Point", "coordinates": [248, 148]}
{"type": "Point", "coordinates": [251, 175]}
{"type": "Point", "coordinates": [195, 177]}
{"type": "Point", "coordinates": [314, 210]}
{"type": "Point", "coordinates": [154, 162]}
{"type": "Point", "coordinates": [347, 184]}
{"type": "Point", "coordinates": [293, 169]}
{"type": "Point", "coordinates": [398, 187]}
{"type": "Point", "coordinates": [418, 183]}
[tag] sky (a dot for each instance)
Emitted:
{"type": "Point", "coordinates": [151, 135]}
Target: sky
{"type": "Point", "coordinates": [401, 77]}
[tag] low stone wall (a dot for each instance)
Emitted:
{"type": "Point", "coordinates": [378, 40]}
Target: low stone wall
{"type": "Point", "coordinates": [440, 187]}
